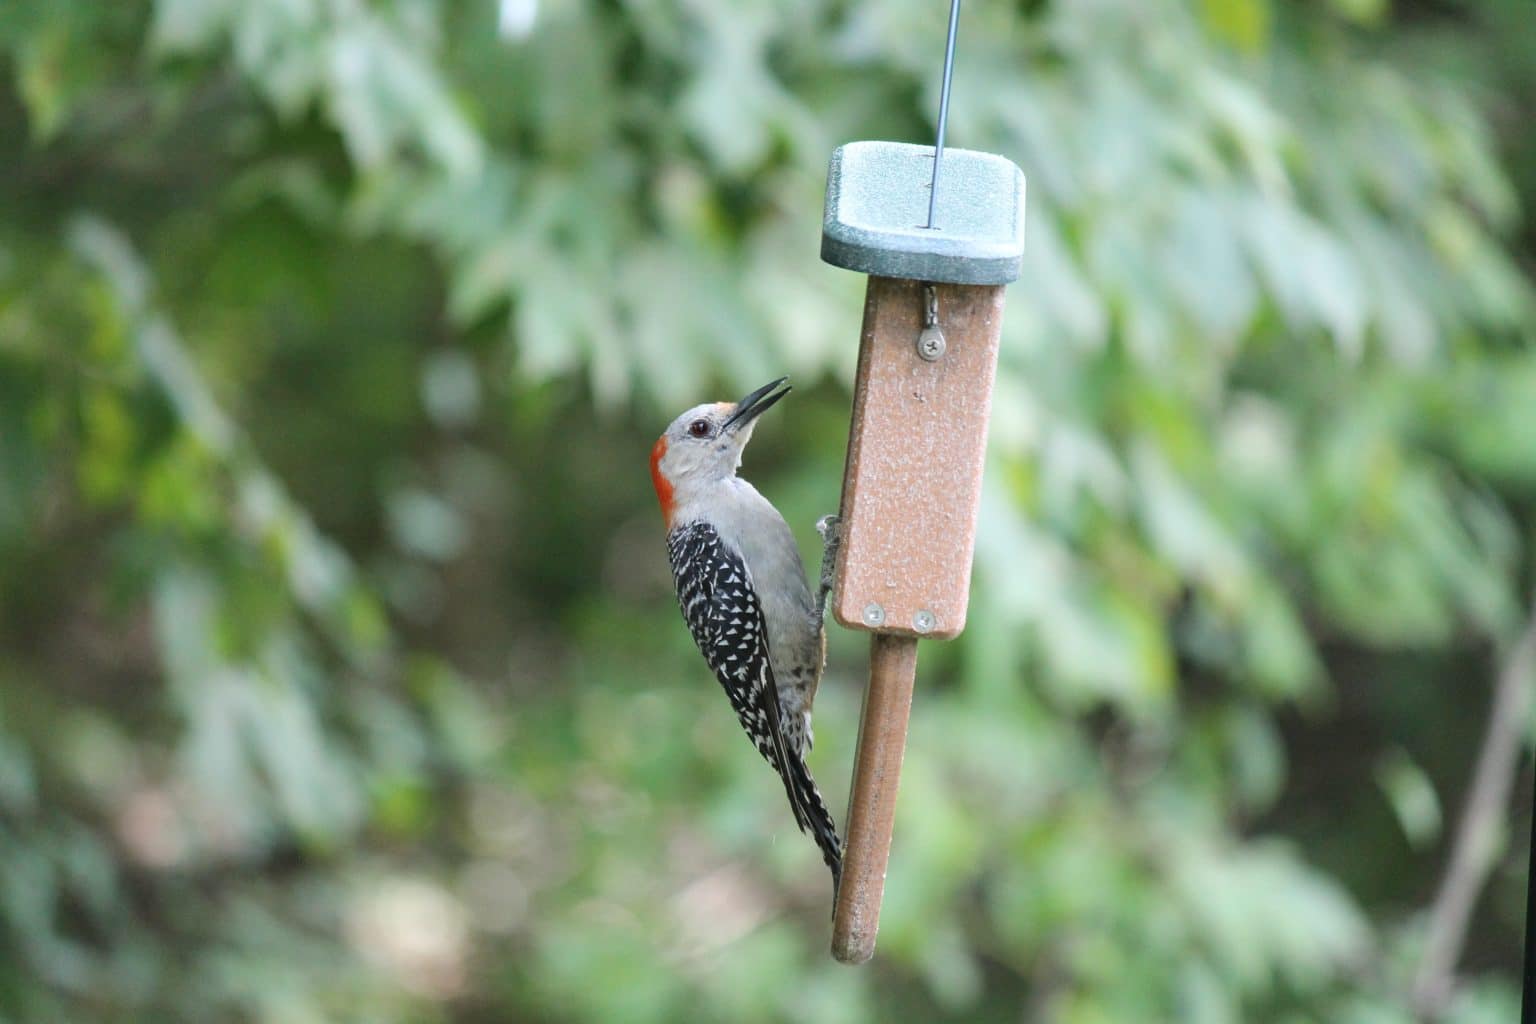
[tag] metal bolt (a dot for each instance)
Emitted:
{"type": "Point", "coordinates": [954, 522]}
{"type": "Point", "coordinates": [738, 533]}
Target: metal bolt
{"type": "Point", "coordinates": [874, 615]}
{"type": "Point", "coordinates": [924, 622]}
{"type": "Point", "coordinates": [931, 344]}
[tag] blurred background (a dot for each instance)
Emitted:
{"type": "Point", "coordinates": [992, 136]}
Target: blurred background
{"type": "Point", "coordinates": [342, 679]}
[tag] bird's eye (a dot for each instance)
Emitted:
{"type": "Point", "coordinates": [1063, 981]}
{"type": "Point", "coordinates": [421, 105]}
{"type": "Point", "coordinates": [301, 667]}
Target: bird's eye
{"type": "Point", "coordinates": [699, 428]}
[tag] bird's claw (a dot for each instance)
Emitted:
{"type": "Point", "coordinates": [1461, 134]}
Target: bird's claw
{"type": "Point", "coordinates": [830, 527]}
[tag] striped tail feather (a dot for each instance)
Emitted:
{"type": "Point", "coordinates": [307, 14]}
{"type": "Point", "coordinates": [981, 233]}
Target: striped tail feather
{"type": "Point", "coordinates": [811, 813]}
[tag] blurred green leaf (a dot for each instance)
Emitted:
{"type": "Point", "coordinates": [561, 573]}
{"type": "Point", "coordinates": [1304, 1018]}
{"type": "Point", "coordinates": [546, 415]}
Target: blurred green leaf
{"type": "Point", "coordinates": [1242, 23]}
{"type": "Point", "coordinates": [1412, 797]}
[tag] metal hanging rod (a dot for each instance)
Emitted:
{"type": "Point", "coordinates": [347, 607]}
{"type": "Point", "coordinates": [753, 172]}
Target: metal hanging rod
{"type": "Point", "coordinates": [938, 144]}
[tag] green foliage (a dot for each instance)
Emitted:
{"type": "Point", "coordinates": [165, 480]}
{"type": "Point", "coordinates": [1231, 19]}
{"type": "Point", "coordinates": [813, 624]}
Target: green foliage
{"type": "Point", "coordinates": [342, 677]}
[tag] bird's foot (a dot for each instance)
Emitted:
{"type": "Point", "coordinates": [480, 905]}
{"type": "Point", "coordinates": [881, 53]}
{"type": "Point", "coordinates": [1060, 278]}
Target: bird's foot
{"type": "Point", "coordinates": [830, 527]}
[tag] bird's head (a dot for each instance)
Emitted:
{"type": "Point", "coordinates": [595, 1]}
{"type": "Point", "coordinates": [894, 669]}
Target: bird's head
{"type": "Point", "coordinates": [704, 444]}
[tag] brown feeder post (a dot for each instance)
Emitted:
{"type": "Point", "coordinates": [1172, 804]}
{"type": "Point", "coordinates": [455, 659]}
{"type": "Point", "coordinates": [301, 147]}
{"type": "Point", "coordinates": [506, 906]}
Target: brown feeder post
{"type": "Point", "coordinates": [927, 358]}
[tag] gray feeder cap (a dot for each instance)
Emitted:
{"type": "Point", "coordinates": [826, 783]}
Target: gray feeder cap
{"type": "Point", "coordinates": [877, 204]}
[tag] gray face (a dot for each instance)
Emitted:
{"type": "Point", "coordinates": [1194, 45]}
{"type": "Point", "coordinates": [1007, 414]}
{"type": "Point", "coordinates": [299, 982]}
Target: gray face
{"type": "Point", "coordinates": [705, 443]}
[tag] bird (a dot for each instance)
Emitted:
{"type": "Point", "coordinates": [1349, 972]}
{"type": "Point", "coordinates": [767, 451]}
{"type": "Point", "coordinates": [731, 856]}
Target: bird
{"type": "Point", "coordinates": [744, 595]}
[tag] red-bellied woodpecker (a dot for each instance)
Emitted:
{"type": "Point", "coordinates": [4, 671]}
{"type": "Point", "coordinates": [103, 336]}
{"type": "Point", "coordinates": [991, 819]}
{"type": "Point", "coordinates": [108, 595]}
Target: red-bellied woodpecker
{"type": "Point", "coordinates": [743, 592]}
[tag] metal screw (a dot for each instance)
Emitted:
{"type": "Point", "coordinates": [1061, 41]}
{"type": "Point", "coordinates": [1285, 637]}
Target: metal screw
{"type": "Point", "coordinates": [924, 622]}
{"type": "Point", "coordinates": [930, 341]}
{"type": "Point", "coordinates": [874, 615]}
{"type": "Point", "coordinates": [930, 344]}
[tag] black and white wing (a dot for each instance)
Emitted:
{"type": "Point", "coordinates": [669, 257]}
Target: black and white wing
{"type": "Point", "coordinates": [715, 592]}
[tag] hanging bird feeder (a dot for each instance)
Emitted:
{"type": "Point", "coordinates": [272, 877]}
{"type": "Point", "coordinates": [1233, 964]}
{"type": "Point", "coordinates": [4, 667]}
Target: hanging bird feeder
{"type": "Point", "coordinates": [938, 250]}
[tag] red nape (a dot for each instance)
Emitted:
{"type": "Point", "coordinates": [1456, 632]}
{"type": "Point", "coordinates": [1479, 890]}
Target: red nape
{"type": "Point", "coordinates": [663, 485]}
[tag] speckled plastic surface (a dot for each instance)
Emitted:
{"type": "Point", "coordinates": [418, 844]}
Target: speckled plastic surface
{"type": "Point", "coordinates": [916, 445]}
{"type": "Point", "coordinates": [877, 206]}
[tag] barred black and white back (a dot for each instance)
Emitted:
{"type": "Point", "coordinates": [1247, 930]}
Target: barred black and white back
{"type": "Point", "coordinates": [723, 611]}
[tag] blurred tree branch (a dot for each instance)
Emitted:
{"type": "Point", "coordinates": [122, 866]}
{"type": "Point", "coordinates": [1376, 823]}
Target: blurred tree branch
{"type": "Point", "coordinates": [1476, 839]}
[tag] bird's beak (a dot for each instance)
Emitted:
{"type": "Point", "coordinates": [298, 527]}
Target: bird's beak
{"type": "Point", "coordinates": [755, 404]}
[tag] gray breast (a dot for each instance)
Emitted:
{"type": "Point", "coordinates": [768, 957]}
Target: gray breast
{"type": "Point", "coordinates": [768, 547]}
